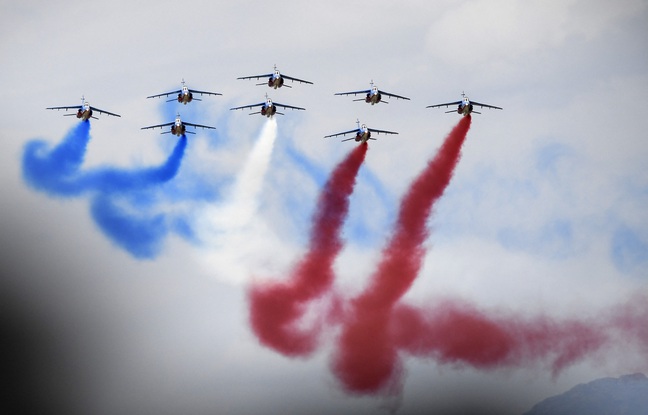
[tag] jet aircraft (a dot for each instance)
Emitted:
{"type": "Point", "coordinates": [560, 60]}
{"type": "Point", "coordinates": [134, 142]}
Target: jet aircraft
{"type": "Point", "coordinates": [84, 111]}
{"type": "Point", "coordinates": [362, 133]}
{"type": "Point", "coordinates": [275, 79]}
{"type": "Point", "coordinates": [268, 108]}
{"type": "Point", "coordinates": [185, 95]}
{"type": "Point", "coordinates": [373, 95]}
{"type": "Point", "coordinates": [178, 127]}
{"type": "Point", "coordinates": [465, 106]}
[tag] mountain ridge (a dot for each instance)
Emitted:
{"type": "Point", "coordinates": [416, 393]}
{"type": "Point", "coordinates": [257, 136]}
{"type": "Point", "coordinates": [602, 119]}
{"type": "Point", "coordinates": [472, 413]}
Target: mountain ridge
{"type": "Point", "coordinates": [625, 395]}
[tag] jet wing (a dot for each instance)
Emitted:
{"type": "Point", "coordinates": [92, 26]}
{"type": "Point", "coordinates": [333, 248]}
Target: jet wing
{"type": "Point", "coordinates": [296, 79]}
{"type": "Point", "coordinates": [392, 95]}
{"type": "Point", "coordinates": [166, 94]}
{"type": "Point", "coordinates": [74, 107]}
{"type": "Point", "coordinates": [381, 131]}
{"type": "Point", "coordinates": [276, 104]}
{"type": "Point", "coordinates": [204, 92]}
{"type": "Point", "coordinates": [248, 106]}
{"type": "Point", "coordinates": [355, 130]}
{"type": "Point", "coordinates": [256, 76]}
{"type": "Point", "coordinates": [484, 105]}
{"type": "Point", "coordinates": [364, 91]}
{"type": "Point", "coordinates": [198, 125]}
{"type": "Point", "coordinates": [159, 125]}
{"type": "Point", "coordinates": [104, 112]}
{"type": "Point", "coordinates": [447, 104]}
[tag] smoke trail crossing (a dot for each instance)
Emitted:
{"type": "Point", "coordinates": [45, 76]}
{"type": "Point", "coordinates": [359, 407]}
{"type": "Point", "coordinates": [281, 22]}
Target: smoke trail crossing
{"type": "Point", "coordinates": [378, 329]}
{"type": "Point", "coordinates": [276, 308]}
{"type": "Point", "coordinates": [367, 358]}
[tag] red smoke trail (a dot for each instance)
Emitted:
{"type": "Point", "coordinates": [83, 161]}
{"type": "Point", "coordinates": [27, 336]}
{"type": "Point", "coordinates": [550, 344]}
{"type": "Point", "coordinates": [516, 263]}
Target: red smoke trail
{"type": "Point", "coordinates": [367, 358]}
{"type": "Point", "coordinates": [456, 332]}
{"type": "Point", "coordinates": [276, 308]}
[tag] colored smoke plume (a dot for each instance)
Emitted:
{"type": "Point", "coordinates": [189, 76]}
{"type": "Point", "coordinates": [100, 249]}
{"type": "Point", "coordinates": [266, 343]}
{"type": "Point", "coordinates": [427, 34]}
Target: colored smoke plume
{"type": "Point", "coordinates": [231, 229]}
{"type": "Point", "coordinates": [55, 171]}
{"type": "Point", "coordinates": [58, 172]}
{"type": "Point", "coordinates": [243, 198]}
{"type": "Point", "coordinates": [139, 232]}
{"type": "Point", "coordinates": [378, 329]}
{"type": "Point", "coordinates": [367, 357]}
{"type": "Point", "coordinates": [458, 333]}
{"type": "Point", "coordinates": [277, 308]}
{"type": "Point", "coordinates": [115, 192]}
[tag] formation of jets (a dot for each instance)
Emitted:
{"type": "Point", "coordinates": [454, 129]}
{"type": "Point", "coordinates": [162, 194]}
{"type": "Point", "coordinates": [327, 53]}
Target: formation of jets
{"type": "Point", "coordinates": [275, 80]}
{"type": "Point", "coordinates": [184, 96]}
{"type": "Point", "coordinates": [268, 108]}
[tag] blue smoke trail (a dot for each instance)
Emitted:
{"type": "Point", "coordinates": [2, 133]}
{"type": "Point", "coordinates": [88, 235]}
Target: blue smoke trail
{"type": "Point", "coordinates": [123, 201]}
{"type": "Point", "coordinates": [113, 180]}
{"type": "Point", "coordinates": [140, 235]}
{"type": "Point", "coordinates": [52, 171]}
{"type": "Point", "coordinates": [57, 172]}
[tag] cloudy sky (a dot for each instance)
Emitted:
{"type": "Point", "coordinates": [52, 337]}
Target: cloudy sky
{"type": "Point", "coordinates": [126, 290]}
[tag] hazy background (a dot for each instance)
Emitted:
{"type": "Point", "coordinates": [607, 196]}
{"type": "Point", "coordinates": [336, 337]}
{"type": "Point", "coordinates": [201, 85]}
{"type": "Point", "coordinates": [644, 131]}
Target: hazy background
{"type": "Point", "coordinates": [545, 213]}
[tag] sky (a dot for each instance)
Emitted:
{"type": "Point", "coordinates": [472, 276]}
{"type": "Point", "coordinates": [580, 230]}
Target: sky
{"type": "Point", "coordinates": [129, 257]}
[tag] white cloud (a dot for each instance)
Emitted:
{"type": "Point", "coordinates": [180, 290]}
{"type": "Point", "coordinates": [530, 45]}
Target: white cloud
{"type": "Point", "coordinates": [482, 33]}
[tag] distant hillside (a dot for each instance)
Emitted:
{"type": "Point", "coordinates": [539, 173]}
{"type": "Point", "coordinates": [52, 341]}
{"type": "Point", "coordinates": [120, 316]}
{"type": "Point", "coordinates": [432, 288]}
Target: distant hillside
{"type": "Point", "coordinates": [627, 395]}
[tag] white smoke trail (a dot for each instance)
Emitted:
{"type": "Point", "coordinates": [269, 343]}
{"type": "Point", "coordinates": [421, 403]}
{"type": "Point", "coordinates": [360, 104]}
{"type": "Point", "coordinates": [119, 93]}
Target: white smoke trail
{"type": "Point", "coordinates": [232, 233]}
{"type": "Point", "coordinates": [242, 203]}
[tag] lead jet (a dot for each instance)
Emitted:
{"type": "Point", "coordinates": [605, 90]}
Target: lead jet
{"type": "Point", "coordinates": [275, 79]}
{"type": "Point", "coordinates": [465, 106]}
{"type": "Point", "coordinates": [373, 95]}
{"type": "Point", "coordinates": [362, 133]}
{"type": "Point", "coordinates": [178, 127]}
{"type": "Point", "coordinates": [185, 95]}
{"type": "Point", "coordinates": [84, 111]}
{"type": "Point", "coordinates": [268, 108]}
